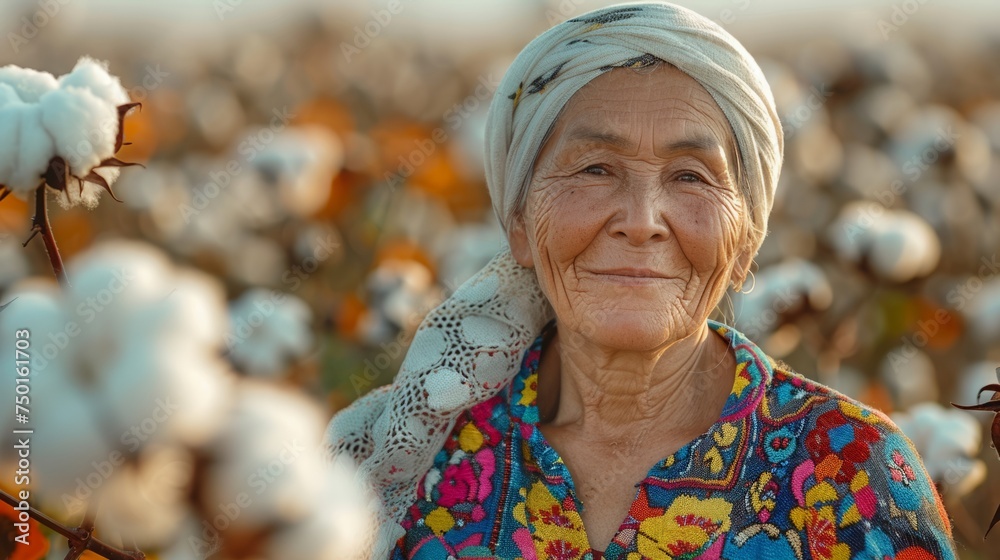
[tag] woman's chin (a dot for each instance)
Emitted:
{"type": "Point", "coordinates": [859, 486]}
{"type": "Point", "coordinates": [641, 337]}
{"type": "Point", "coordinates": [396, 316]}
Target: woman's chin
{"type": "Point", "coordinates": [630, 330]}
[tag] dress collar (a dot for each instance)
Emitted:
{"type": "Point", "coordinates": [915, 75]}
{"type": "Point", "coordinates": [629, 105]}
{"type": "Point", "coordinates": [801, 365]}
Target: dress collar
{"type": "Point", "coordinates": [753, 373]}
{"type": "Point", "coordinates": [754, 370]}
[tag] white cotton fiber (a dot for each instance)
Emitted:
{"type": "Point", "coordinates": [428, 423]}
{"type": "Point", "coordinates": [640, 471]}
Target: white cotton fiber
{"type": "Point", "coordinates": [93, 75]}
{"type": "Point", "coordinates": [29, 84]}
{"type": "Point", "coordinates": [74, 117]}
{"type": "Point", "coordinates": [8, 95]}
{"type": "Point", "coordinates": [34, 148]}
{"type": "Point", "coordinates": [84, 127]}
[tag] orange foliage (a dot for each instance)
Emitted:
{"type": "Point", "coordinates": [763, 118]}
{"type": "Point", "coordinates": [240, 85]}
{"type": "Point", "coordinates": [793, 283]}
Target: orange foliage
{"type": "Point", "coordinates": [343, 190]}
{"type": "Point", "coordinates": [877, 396]}
{"type": "Point", "coordinates": [403, 249]}
{"type": "Point", "coordinates": [943, 327]}
{"type": "Point", "coordinates": [37, 545]}
{"type": "Point", "coordinates": [350, 313]}
{"type": "Point", "coordinates": [72, 229]}
{"type": "Point", "coordinates": [326, 112]}
{"type": "Point", "coordinates": [14, 215]}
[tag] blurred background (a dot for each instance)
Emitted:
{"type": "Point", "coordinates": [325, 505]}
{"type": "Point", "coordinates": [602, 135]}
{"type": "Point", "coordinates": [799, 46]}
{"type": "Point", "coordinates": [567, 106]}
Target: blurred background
{"type": "Point", "coordinates": [291, 156]}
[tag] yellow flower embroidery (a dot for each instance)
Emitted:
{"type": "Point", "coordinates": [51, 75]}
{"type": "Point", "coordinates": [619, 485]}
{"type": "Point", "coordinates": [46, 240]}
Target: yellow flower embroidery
{"type": "Point", "coordinates": [553, 524]}
{"type": "Point", "coordinates": [440, 521]}
{"type": "Point", "coordinates": [688, 526]}
{"type": "Point", "coordinates": [725, 436]}
{"type": "Point", "coordinates": [760, 498]}
{"type": "Point", "coordinates": [740, 382]}
{"type": "Point", "coordinates": [470, 439]}
{"type": "Point", "coordinates": [530, 391]}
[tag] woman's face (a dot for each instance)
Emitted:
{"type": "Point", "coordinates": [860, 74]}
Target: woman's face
{"type": "Point", "coordinates": [633, 220]}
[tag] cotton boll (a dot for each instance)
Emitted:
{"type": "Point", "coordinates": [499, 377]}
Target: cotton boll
{"type": "Point", "coordinates": [897, 244]}
{"type": "Point", "coordinates": [199, 317]}
{"type": "Point", "coordinates": [34, 151]}
{"type": "Point", "coordinates": [948, 442]}
{"type": "Point", "coordinates": [10, 127]}
{"type": "Point", "coordinates": [93, 75]}
{"type": "Point", "coordinates": [338, 530]}
{"type": "Point", "coordinates": [400, 292]}
{"type": "Point", "coordinates": [268, 330]}
{"type": "Point", "coordinates": [132, 359]}
{"type": "Point", "coordinates": [8, 95]}
{"type": "Point", "coordinates": [268, 449]}
{"type": "Point", "coordinates": [920, 141]}
{"type": "Point", "coordinates": [301, 164]}
{"type": "Point", "coordinates": [83, 126]}
{"type": "Point", "coordinates": [184, 390]}
{"type": "Point", "coordinates": [909, 375]}
{"type": "Point", "coordinates": [75, 118]}
{"type": "Point", "coordinates": [146, 502]}
{"type": "Point", "coordinates": [33, 305]}
{"type": "Point", "coordinates": [983, 312]}
{"type": "Point", "coordinates": [119, 274]}
{"type": "Point", "coordinates": [29, 84]}
{"type": "Point", "coordinates": [28, 149]}
{"type": "Point", "coordinates": [70, 436]}
{"type": "Point", "coordinates": [904, 248]}
{"type": "Point", "coordinates": [850, 234]}
{"type": "Point", "coordinates": [255, 260]}
{"type": "Point", "coordinates": [779, 289]}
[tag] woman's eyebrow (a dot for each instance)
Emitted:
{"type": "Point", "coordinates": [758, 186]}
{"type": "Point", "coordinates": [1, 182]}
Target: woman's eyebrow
{"type": "Point", "coordinates": [699, 143]}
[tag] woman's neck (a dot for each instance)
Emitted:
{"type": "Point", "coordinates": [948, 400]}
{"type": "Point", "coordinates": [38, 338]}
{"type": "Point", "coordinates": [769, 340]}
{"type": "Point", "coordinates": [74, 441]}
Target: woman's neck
{"type": "Point", "coordinates": [611, 395]}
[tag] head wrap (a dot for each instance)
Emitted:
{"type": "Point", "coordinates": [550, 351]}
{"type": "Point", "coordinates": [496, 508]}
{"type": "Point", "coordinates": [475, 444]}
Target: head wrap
{"type": "Point", "coordinates": [471, 345]}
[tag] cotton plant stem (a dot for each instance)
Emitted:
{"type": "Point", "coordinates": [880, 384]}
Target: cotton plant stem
{"type": "Point", "coordinates": [76, 550]}
{"type": "Point", "coordinates": [40, 225]}
{"type": "Point", "coordinates": [81, 538]}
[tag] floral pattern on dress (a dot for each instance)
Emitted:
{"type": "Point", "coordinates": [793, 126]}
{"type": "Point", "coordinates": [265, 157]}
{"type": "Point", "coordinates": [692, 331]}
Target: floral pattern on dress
{"type": "Point", "coordinates": [792, 470]}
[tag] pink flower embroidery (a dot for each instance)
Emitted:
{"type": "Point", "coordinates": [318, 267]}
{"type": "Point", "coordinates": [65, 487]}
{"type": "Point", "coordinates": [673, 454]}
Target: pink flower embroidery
{"type": "Point", "coordinates": [462, 483]}
{"type": "Point", "coordinates": [458, 484]}
{"type": "Point", "coordinates": [900, 470]}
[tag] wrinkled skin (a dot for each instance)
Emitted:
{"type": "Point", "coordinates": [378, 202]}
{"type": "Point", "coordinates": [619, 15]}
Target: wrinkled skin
{"type": "Point", "coordinates": [637, 173]}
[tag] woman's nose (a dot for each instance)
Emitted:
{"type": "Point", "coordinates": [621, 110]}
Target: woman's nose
{"type": "Point", "coordinates": [639, 216]}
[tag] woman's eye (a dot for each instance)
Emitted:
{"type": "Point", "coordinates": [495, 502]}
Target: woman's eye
{"type": "Point", "coordinates": [598, 169]}
{"type": "Point", "coordinates": [689, 177]}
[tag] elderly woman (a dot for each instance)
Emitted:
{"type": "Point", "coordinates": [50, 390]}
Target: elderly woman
{"type": "Point", "coordinates": [573, 400]}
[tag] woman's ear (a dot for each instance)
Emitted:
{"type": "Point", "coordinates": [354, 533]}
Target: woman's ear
{"type": "Point", "coordinates": [518, 239]}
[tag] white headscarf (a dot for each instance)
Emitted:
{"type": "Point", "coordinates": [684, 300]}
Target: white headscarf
{"type": "Point", "coordinates": [471, 345]}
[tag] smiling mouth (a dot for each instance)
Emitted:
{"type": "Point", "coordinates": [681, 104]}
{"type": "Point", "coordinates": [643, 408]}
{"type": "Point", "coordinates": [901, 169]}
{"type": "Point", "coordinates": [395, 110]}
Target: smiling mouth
{"type": "Point", "coordinates": [631, 277]}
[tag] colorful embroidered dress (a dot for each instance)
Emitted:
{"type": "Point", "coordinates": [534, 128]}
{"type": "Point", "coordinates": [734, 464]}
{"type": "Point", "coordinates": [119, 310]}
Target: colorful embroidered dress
{"type": "Point", "coordinates": [791, 470]}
